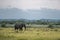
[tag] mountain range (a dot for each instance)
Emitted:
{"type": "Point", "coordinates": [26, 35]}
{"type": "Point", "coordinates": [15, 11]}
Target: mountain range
{"type": "Point", "coordinates": [30, 14]}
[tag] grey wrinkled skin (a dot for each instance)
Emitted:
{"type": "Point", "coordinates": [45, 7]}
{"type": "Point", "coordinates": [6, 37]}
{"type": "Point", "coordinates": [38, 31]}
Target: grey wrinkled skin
{"type": "Point", "coordinates": [19, 26]}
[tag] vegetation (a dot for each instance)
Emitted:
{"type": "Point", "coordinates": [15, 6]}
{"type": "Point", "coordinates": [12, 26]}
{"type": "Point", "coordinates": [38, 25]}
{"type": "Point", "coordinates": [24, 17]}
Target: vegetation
{"type": "Point", "coordinates": [50, 26]}
{"type": "Point", "coordinates": [3, 25]}
{"type": "Point", "coordinates": [41, 21]}
{"type": "Point", "coordinates": [36, 30]}
{"type": "Point", "coordinates": [30, 34]}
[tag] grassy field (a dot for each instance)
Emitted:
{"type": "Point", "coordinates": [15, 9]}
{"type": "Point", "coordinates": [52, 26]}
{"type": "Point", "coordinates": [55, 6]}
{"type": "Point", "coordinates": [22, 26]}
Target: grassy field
{"type": "Point", "coordinates": [30, 34]}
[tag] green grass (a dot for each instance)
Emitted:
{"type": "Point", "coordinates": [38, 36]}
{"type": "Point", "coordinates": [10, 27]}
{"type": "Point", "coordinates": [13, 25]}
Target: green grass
{"type": "Point", "coordinates": [30, 34]}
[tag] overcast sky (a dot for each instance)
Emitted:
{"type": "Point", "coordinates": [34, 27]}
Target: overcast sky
{"type": "Point", "coordinates": [30, 4]}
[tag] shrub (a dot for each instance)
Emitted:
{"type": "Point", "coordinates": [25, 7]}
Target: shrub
{"type": "Point", "coordinates": [3, 25]}
{"type": "Point", "coordinates": [50, 26]}
{"type": "Point", "coordinates": [56, 30]}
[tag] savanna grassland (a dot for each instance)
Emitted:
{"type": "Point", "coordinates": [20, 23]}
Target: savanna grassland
{"type": "Point", "coordinates": [30, 34]}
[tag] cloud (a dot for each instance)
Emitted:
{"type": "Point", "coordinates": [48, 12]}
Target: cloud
{"type": "Point", "coordinates": [30, 4]}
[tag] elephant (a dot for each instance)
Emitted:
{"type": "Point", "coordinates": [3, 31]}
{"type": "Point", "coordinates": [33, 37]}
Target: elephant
{"type": "Point", "coordinates": [19, 26]}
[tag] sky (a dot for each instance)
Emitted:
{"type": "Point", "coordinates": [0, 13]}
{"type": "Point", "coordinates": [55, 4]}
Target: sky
{"type": "Point", "coordinates": [32, 5]}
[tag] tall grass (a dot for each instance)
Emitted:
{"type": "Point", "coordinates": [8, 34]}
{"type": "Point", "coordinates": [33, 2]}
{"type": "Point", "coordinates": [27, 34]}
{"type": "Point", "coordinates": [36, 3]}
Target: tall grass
{"type": "Point", "coordinates": [30, 34]}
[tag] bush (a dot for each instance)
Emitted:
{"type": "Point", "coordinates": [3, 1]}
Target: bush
{"type": "Point", "coordinates": [50, 26]}
{"type": "Point", "coordinates": [3, 25]}
{"type": "Point", "coordinates": [56, 30]}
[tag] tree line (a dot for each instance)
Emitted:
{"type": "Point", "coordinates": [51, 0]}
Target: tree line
{"type": "Point", "coordinates": [39, 22]}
